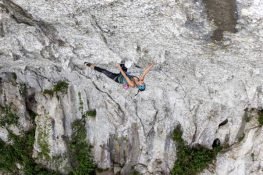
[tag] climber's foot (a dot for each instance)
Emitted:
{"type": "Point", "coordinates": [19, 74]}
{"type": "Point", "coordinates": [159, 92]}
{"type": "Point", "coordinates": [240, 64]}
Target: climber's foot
{"type": "Point", "coordinates": [89, 65]}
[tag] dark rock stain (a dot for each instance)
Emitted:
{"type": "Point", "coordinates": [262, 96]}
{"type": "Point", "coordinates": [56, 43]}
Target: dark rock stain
{"type": "Point", "coordinates": [224, 15]}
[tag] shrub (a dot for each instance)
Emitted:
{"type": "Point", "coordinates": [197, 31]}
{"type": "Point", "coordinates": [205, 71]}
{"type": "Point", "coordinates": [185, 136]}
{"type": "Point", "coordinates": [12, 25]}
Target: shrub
{"type": "Point", "coordinates": [191, 161]}
{"type": "Point", "coordinates": [91, 113]}
{"type": "Point", "coordinates": [8, 117]}
{"type": "Point", "coordinates": [20, 151]}
{"type": "Point", "coordinates": [61, 86]}
{"type": "Point", "coordinates": [80, 150]}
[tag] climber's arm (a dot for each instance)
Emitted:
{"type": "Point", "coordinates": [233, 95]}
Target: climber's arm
{"type": "Point", "coordinates": [146, 71]}
{"type": "Point", "coordinates": [130, 83]}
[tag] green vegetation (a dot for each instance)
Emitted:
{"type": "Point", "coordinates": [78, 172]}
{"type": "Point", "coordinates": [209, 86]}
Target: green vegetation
{"type": "Point", "coordinates": [80, 150]}
{"type": "Point", "coordinates": [81, 108]}
{"type": "Point", "coordinates": [20, 152]}
{"type": "Point", "coordinates": [43, 133]}
{"type": "Point", "coordinates": [42, 141]}
{"type": "Point", "coordinates": [16, 155]}
{"type": "Point", "coordinates": [16, 158]}
{"type": "Point", "coordinates": [91, 113]}
{"type": "Point", "coordinates": [260, 117]}
{"type": "Point", "coordinates": [61, 86]}
{"type": "Point", "coordinates": [8, 117]}
{"type": "Point", "coordinates": [49, 92]}
{"type": "Point", "coordinates": [191, 161]}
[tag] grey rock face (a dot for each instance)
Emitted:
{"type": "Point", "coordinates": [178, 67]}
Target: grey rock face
{"type": "Point", "coordinates": [196, 82]}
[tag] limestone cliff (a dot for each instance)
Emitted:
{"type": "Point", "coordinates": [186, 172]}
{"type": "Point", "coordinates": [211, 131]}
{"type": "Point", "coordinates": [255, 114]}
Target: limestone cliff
{"type": "Point", "coordinates": [207, 71]}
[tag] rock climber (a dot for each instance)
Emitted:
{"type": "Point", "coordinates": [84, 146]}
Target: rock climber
{"type": "Point", "coordinates": [124, 78]}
